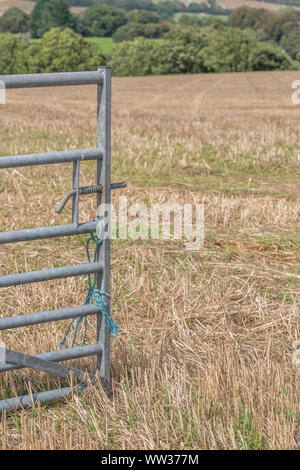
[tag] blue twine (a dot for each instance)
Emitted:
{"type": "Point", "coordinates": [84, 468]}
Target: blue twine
{"type": "Point", "coordinates": [94, 293]}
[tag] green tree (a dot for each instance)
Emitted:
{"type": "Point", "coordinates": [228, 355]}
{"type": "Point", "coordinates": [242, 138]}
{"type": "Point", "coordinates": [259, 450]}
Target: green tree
{"type": "Point", "coordinates": [128, 32]}
{"type": "Point", "coordinates": [189, 20]}
{"type": "Point", "coordinates": [169, 58]}
{"type": "Point", "coordinates": [48, 14]}
{"type": "Point", "coordinates": [143, 16]}
{"type": "Point", "coordinates": [133, 30]}
{"type": "Point", "coordinates": [269, 25]}
{"type": "Point", "coordinates": [60, 50]}
{"type": "Point", "coordinates": [165, 10]}
{"type": "Point", "coordinates": [228, 51]}
{"type": "Point", "coordinates": [291, 43]}
{"type": "Point", "coordinates": [132, 57]}
{"type": "Point", "coordinates": [187, 35]}
{"type": "Point", "coordinates": [103, 20]}
{"type": "Point", "coordinates": [268, 57]}
{"type": "Point", "coordinates": [194, 7]}
{"type": "Point", "coordinates": [180, 52]}
{"type": "Point", "coordinates": [66, 51]}
{"type": "Point", "coordinates": [214, 22]}
{"type": "Point", "coordinates": [246, 17]}
{"type": "Point", "coordinates": [188, 43]}
{"type": "Point", "coordinates": [9, 45]}
{"type": "Point", "coordinates": [14, 20]}
{"type": "Point", "coordinates": [28, 58]}
{"type": "Point", "coordinates": [155, 30]}
{"type": "Point", "coordinates": [282, 24]}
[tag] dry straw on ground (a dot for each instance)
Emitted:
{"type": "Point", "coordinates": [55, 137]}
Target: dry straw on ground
{"type": "Point", "coordinates": [203, 358]}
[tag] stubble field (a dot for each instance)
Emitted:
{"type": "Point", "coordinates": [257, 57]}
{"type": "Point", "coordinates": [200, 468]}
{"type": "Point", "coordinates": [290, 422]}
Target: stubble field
{"type": "Point", "coordinates": [232, 4]}
{"type": "Point", "coordinates": [202, 359]}
{"type": "Point", "coordinates": [27, 6]}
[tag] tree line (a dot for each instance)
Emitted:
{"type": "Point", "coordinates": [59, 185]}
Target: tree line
{"type": "Point", "coordinates": [187, 49]}
{"type": "Point", "coordinates": [280, 28]}
{"type": "Point", "coordinates": [184, 49]}
{"type": "Point", "coordinates": [145, 45]}
{"type": "Point", "coordinates": [102, 18]}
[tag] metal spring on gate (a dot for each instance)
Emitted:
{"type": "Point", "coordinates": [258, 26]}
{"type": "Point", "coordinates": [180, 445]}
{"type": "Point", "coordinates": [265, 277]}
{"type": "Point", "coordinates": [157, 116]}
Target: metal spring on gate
{"type": "Point", "coordinates": [97, 188]}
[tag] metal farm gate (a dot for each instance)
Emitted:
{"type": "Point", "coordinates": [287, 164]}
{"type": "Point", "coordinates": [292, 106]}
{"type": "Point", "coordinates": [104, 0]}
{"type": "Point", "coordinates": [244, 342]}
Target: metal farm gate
{"type": "Point", "coordinates": [49, 361]}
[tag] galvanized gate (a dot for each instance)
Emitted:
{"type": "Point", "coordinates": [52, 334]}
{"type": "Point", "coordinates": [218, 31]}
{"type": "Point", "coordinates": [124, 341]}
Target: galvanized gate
{"type": "Point", "coordinates": [49, 361]}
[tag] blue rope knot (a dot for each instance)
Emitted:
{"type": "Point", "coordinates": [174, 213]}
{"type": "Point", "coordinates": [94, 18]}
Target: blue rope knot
{"type": "Point", "coordinates": [95, 294]}
{"type": "Point", "coordinates": [102, 305]}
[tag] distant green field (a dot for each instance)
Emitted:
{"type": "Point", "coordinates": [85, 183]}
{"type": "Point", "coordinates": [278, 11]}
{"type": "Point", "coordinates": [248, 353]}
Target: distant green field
{"type": "Point", "coordinates": [176, 16]}
{"type": "Point", "coordinates": [106, 44]}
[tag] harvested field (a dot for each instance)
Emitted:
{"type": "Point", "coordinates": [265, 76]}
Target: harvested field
{"type": "Point", "coordinates": [232, 4]}
{"type": "Point", "coordinates": [27, 6]}
{"type": "Point", "coordinates": [203, 359]}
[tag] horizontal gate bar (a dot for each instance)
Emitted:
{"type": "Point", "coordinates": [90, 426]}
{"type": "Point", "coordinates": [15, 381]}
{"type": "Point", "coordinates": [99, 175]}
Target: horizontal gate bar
{"type": "Point", "coordinates": [42, 397]}
{"type": "Point", "coordinates": [44, 365]}
{"type": "Point", "coordinates": [59, 355]}
{"type": "Point", "coordinates": [50, 274]}
{"type": "Point", "coordinates": [47, 232]}
{"type": "Point", "coordinates": [48, 316]}
{"type": "Point", "coordinates": [14, 161]}
{"type": "Point", "coordinates": [51, 79]}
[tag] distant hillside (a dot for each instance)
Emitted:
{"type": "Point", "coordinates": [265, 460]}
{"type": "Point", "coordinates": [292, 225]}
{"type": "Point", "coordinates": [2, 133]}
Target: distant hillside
{"type": "Point", "coordinates": [285, 2]}
{"type": "Point", "coordinates": [266, 4]}
{"type": "Point", "coordinates": [25, 5]}
{"type": "Point", "coordinates": [28, 5]}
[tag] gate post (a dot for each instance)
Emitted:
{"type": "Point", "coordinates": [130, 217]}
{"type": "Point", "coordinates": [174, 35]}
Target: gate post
{"type": "Point", "coordinates": [104, 178]}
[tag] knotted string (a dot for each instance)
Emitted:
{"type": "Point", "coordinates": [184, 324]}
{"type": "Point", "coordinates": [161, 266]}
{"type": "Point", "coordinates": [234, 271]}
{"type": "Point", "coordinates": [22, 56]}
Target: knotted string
{"type": "Point", "coordinates": [96, 294]}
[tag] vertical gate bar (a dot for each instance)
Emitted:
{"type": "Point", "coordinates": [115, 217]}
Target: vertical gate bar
{"type": "Point", "coordinates": [104, 178]}
{"type": "Point", "coordinates": [75, 197]}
